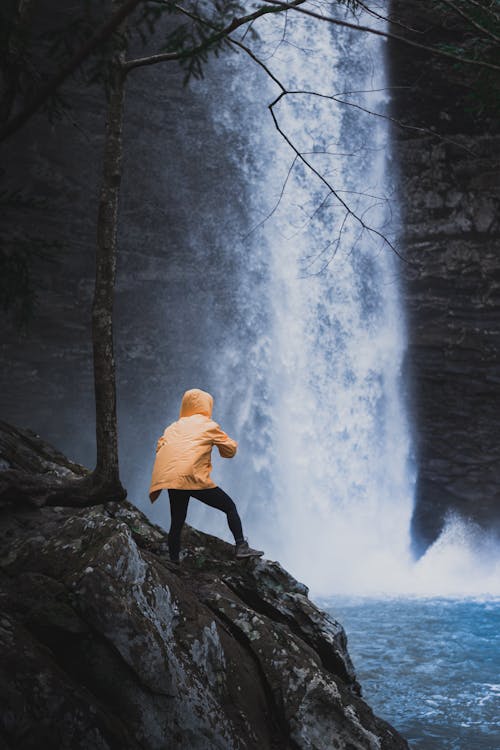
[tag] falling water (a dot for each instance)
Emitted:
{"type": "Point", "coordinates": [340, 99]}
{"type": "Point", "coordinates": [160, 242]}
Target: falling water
{"type": "Point", "coordinates": [319, 364]}
{"type": "Point", "coordinates": [343, 487]}
{"type": "Point", "coordinates": [325, 476]}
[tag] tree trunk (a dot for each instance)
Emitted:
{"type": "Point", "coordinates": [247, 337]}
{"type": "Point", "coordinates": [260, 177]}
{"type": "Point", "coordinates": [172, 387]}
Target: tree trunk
{"type": "Point", "coordinates": [106, 472]}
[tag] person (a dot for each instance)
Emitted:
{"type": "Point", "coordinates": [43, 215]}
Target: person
{"type": "Point", "coordinates": [183, 464]}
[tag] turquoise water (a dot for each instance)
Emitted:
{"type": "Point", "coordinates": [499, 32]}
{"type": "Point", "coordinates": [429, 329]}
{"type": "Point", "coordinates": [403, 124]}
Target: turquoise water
{"type": "Point", "coordinates": [431, 667]}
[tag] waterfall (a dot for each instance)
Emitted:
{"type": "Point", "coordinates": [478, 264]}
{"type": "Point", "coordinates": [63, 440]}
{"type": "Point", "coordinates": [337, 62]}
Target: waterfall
{"type": "Point", "coordinates": [343, 486]}
{"type": "Point", "coordinates": [317, 360]}
{"type": "Point", "coordinates": [310, 379]}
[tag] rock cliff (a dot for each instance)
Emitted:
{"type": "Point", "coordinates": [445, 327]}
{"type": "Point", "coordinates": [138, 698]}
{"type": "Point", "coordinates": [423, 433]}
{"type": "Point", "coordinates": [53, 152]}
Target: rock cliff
{"type": "Point", "coordinates": [106, 644]}
{"type": "Point", "coordinates": [449, 190]}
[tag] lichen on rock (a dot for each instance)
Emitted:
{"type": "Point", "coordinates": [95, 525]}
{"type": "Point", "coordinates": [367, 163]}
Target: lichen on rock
{"type": "Point", "coordinates": [105, 644]}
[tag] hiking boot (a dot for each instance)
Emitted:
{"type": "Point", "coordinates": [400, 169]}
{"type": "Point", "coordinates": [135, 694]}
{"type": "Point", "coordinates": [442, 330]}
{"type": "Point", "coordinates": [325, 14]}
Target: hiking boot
{"type": "Point", "coordinates": [243, 550]}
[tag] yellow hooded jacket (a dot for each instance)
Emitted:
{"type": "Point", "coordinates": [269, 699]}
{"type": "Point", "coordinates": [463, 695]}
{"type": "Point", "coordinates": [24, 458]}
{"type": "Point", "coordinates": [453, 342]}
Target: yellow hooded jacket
{"type": "Point", "coordinates": [183, 453]}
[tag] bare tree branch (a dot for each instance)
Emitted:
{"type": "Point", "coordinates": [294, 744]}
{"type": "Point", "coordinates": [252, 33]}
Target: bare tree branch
{"type": "Point", "coordinates": [484, 9]}
{"type": "Point", "coordinates": [276, 205]}
{"type": "Point", "coordinates": [220, 34]}
{"type": "Point", "coordinates": [300, 155]}
{"type": "Point", "coordinates": [389, 118]}
{"type": "Point", "coordinates": [386, 34]}
{"type": "Point", "coordinates": [471, 20]}
{"type": "Point", "coordinates": [393, 21]}
{"type": "Point", "coordinates": [250, 18]}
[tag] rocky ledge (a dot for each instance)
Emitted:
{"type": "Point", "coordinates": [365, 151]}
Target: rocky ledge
{"type": "Point", "coordinates": [106, 644]}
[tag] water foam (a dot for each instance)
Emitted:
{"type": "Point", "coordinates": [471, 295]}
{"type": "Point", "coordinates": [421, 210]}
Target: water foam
{"type": "Point", "coordinates": [463, 561]}
{"type": "Point", "coordinates": [343, 486]}
{"type": "Point", "coordinates": [318, 395]}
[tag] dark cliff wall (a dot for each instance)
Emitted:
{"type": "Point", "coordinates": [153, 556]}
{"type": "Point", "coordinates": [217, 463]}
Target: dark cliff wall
{"type": "Point", "coordinates": [450, 192]}
{"type": "Point", "coordinates": [181, 211]}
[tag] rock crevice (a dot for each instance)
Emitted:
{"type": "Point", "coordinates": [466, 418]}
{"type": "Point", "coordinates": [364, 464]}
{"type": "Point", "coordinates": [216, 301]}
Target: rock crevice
{"type": "Point", "coordinates": [106, 644]}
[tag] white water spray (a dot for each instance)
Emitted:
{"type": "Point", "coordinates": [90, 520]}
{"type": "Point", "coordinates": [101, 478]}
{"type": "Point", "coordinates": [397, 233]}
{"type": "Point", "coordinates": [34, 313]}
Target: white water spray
{"type": "Point", "coordinates": [318, 369]}
{"type": "Point", "coordinates": [342, 484]}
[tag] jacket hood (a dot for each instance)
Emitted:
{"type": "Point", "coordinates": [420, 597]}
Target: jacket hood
{"type": "Point", "coordinates": [196, 401]}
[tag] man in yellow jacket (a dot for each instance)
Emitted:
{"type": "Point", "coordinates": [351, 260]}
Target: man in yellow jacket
{"type": "Point", "coordinates": [183, 465]}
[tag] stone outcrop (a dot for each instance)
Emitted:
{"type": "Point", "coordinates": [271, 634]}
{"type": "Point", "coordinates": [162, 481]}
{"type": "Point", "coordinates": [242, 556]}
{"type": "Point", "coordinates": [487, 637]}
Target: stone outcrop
{"type": "Point", "coordinates": [106, 644]}
{"type": "Point", "coordinates": [449, 178]}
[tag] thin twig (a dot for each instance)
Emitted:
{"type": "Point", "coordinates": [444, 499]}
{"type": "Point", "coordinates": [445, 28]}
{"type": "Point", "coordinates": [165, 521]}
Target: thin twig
{"type": "Point", "coordinates": [490, 11]}
{"type": "Point", "coordinates": [276, 205]}
{"type": "Point", "coordinates": [389, 118]}
{"type": "Point", "coordinates": [271, 106]}
{"type": "Point", "coordinates": [301, 156]}
{"type": "Point", "coordinates": [220, 33]}
{"type": "Point", "coordinates": [385, 18]}
{"type": "Point", "coordinates": [471, 20]}
{"type": "Point", "coordinates": [386, 35]}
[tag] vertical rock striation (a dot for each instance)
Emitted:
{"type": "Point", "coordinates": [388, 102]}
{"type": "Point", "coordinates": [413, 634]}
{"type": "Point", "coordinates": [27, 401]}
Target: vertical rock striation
{"type": "Point", "coordinates": [450, 197]}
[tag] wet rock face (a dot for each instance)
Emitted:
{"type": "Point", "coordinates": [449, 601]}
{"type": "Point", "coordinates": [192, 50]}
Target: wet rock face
{"type": "Point", "coordinates": [106, 644]}
{"type": "Point", "coordinates": [450, 198]}
{"type": "Point", "coordinates": [183, 206]}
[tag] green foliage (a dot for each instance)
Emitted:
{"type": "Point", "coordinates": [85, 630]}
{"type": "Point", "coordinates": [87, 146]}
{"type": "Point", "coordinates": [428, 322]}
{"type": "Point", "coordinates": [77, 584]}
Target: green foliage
{"type": "Point", "coordinates": [475, 29]}
{"type": "Point", "coordinates": [205, 33]}
{"type": "Point", "coordinates": [202, 34]}
{"type": "Point", "coordinates": [141, 26]}
{"type": "Point", "coordinates": [195, 42]}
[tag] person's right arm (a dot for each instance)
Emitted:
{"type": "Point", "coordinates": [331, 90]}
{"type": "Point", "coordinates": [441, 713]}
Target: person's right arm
{"type": "Point", "coordinates": [226, 445]}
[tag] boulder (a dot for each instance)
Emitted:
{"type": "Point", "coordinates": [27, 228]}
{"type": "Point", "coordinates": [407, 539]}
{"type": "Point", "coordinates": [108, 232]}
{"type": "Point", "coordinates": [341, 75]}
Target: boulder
{"type": "Point", "coordinates": [107, 644]}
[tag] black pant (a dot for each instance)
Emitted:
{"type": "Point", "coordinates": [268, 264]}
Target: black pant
{"type": "Point", "coordinates": [213, 496]}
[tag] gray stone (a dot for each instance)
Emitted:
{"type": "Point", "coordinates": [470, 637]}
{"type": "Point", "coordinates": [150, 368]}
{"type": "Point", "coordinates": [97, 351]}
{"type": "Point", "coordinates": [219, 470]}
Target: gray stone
{"type": "Point", "coordinates": [106, 644]}
{"type": "Point", "coordinates": [449, 187]}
